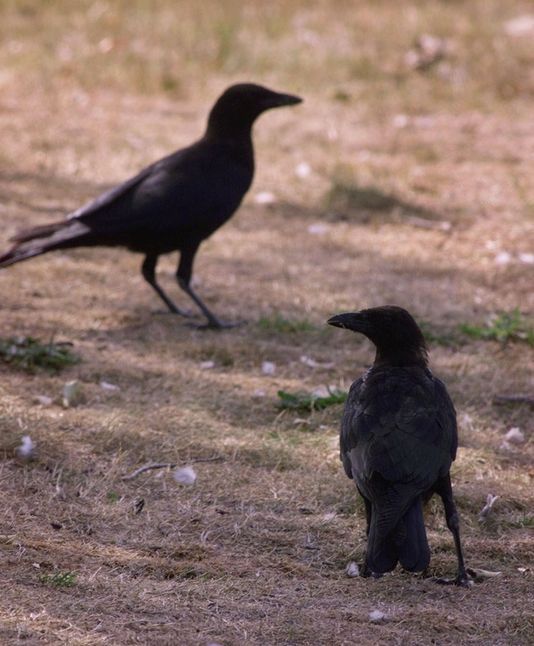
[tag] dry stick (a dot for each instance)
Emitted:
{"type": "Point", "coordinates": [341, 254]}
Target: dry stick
{"type": "Point", "coordinates": [166, 465]}
{"type": "Point", "coordinates": [514, 399]}
{"type": "Point", "coordinates": [439, 225]}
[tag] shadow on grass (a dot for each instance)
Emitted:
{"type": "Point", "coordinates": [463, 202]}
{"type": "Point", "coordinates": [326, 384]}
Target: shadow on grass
{"type": "Point", "coordinates": [348, 201]}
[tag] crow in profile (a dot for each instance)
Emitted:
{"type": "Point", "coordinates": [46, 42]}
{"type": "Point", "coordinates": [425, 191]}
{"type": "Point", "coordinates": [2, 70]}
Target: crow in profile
{"type": "Point", "coordinates": [398, 440]}
{"type": "Point", "coordinates": [173, 204]}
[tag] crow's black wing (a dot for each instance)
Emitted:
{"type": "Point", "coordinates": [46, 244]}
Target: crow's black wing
{"type": "Point", "coordinates": [399, 424]}
{"type": "Point", "coordinates": [192, 191]}
{"type": "Point", "coordinates": [351, 414]}
{"type": "Point", "coordinates": [446, 417]}
{"type": "Point", "coordinates": [107, 198]}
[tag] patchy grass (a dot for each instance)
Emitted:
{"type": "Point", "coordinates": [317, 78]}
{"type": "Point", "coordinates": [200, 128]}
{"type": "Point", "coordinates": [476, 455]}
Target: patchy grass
{"type": "Point", "coordinates": [59, 579]}
{"type": "Point", "coordinates": [112, 497]}
{"type": "Point", "coordinates": [279, 324]}
{"type": "Point", "coordinates": [255, 551]}
{"type": "Point", "coordinates": [29, 354]}
{"type": "Point", "coordinates": [304, 401]}
{"type": "Point", "coordinates": [502, 327]}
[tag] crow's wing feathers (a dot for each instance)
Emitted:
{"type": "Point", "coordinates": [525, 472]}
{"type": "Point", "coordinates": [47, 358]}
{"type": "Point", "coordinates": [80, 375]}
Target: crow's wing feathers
{"type": "Point", "coordinates": [353, 409]}
{"type": "Point", "coordinates": [398, 423]}
{"type": "Point", "coordinates": [194, 189]}
{"type": "Point", "coordinates": [107, 198]}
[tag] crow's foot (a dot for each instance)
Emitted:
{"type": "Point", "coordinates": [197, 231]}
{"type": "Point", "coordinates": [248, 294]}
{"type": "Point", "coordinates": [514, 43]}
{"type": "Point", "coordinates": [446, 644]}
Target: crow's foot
{"type": "Point", "coordinates": [461, 580]}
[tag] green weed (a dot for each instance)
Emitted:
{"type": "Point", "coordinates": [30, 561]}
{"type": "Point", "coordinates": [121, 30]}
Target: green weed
{"type": "Point", "coordinates": [29, 354]}
{"type": "Point", "coordinates": [502, 327]}
{"type": "Point", "coordinates": [59, 579]}
{"type": "Point", "coordinates": [278, 323]}
{"type": "Point", "coordinates": [304, 401]}
{"type": "Point", "coordinates": [525, 522]}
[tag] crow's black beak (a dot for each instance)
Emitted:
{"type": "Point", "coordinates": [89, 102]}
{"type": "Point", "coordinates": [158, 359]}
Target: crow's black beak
{"type": "Point", "coordinates": [349, 321]}
{"type": "Point", "coordinates": [279, 100]}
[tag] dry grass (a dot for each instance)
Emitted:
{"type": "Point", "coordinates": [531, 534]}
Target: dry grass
{"type": "Point", "coordinates": [255, 551]}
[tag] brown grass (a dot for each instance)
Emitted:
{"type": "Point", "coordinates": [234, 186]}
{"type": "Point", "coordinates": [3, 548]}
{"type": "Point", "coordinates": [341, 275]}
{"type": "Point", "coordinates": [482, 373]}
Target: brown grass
{"type": "Point", "coordinates": [255, 551]}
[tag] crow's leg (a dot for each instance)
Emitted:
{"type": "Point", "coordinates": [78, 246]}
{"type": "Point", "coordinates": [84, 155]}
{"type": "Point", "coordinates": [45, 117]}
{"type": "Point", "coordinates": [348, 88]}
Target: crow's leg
{"type": "Point", "coordinates": [365, 571]}
{"type": "Point", "coordinates": [183, 276]}
{"type": "Point", "coordinates": [443, 488]}
{"type": "Point", "coordinates": [368, 513]}
{"type": "Point", "coordinates": [426, 498]}
{"type": "Point", "coordinates": [148, 270]}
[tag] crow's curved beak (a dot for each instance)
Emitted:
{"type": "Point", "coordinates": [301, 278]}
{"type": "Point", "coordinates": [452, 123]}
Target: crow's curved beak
{"type": "Point", "coordinates": [279, 100]}
{"type": "Point", "coordinates": [350, 321]}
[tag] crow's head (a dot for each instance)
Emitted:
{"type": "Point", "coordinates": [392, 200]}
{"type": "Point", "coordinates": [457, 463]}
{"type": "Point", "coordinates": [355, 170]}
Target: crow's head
{"type": "Point", "coordinates": [396, 335]}
{"type": "Point", "coordinates": [238, 107]}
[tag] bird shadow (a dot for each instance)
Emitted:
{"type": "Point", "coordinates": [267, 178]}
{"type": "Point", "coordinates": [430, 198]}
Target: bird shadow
{"type": "Point", "coordinates": [347, 201]}
{"type": "Point", "coordinates": [366, 205]}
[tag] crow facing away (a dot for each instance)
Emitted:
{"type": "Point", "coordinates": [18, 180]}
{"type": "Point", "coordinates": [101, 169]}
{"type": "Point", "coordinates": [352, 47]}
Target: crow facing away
{"type": "Point", "coordinates": [173, 204]}
{"type": "Point", "coordinates": [398, 440]}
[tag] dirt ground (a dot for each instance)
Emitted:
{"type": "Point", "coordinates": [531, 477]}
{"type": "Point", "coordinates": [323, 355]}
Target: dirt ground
{"type": "Point", "coordinates": [397, 181]}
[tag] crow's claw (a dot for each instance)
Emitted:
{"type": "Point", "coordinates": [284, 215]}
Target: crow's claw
{"type": "Point", "coordinates": [462, 580]}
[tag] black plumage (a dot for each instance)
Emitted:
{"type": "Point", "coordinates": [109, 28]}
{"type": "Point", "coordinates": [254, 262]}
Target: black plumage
{"type": "Point", "coordinates": [398, 440]}
{"type": "Point", "coordinates": [173, 204]}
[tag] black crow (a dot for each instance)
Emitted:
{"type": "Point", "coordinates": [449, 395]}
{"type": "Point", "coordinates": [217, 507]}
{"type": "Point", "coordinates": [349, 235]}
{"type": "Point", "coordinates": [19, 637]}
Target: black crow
{"type": "Point", "coordinates": [173, 204]}
{"type": "Point", "coordinates": [398, 440]}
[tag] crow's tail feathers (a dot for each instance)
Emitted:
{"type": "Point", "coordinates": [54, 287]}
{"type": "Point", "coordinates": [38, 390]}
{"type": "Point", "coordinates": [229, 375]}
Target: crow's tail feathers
{"type": "Point", "coordinates": [406, 542]}
{"type": "Point", "coordinates": [34, 242]}
{"type": "Point", "coordinates": [18, 253]}
{"type": "Point", "coordinates": [381, 555]}
{"type": "Point", "coordinates": [414, 553]}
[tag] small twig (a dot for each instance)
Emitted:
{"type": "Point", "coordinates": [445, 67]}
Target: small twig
{"type": "Point", "coordinates": [214, 458]}
{"type": "Point", "coordinates": [149, 467]}
{"type": "Point", "coordinates": [423, 223]}
{"type": "Point", "coordinates": [8, 539]}
{"type": "Point", "coordinates": [514, 399]}
{"type": "Point", "coordinates": [490, 501]}
{"type": "Point", "coordinates": [167, 465]}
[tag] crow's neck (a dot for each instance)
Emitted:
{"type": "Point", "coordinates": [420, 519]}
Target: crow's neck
{"type": "Point", "coordinates": [228, 127]}
{"type": "Point", "coordinates": [237, 144]}
{"type": "Point", "coordinates": [401, 358]}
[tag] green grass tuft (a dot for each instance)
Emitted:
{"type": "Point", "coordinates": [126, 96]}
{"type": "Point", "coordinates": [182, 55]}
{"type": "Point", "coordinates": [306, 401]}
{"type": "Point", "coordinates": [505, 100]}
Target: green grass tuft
{"type": "Point", "coordinates": [525, 522]}
{"type": "Point", "coordinates": [304, 401]}
{"type": "Point", "coordinates": [502, 327]}
{"type": "Point", "coordinates": [279, 324]}
{"type": "Point", "coordinates": [59, 579]}
{"type": "Point", "coordinates": [29, 354]}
